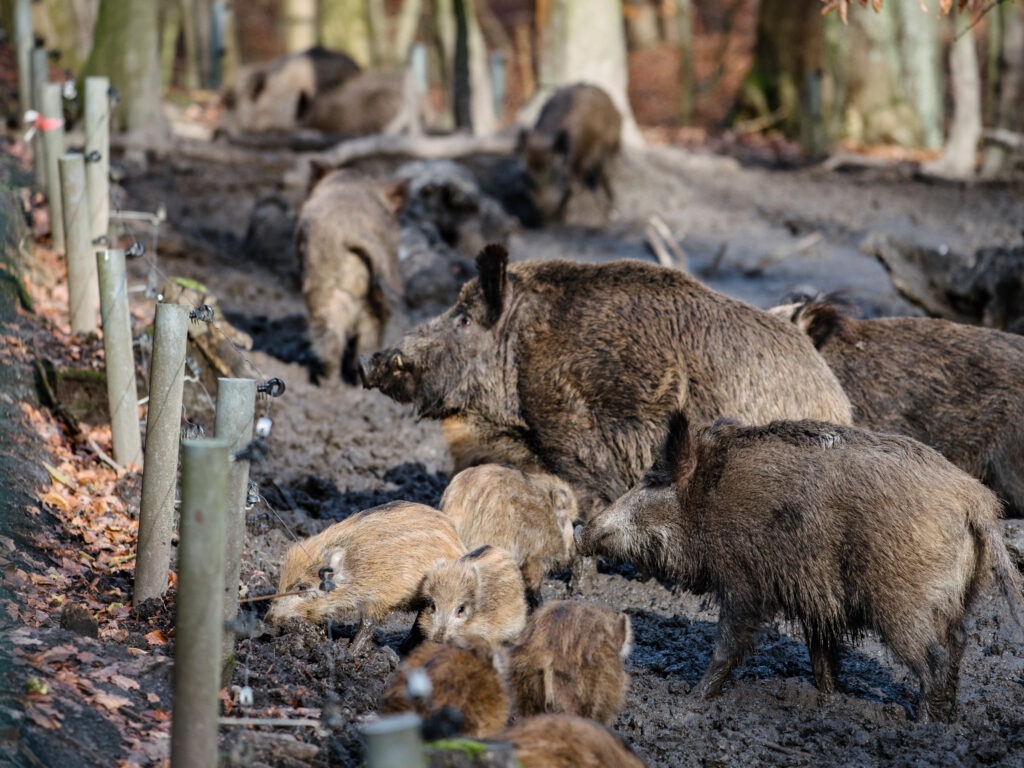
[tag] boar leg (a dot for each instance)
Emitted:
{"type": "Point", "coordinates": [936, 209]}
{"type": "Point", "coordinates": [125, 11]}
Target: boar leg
{"type": "Point", "coordinates": [824, 650]}
{"type": "Point", "coordinates": [932, 669]}
{"type": "Point", "coordinates": [735, 636]}
{"type": "Point", "coordinates": [363, 637]}
{"type": "Point", "coordinates": [584, 574]}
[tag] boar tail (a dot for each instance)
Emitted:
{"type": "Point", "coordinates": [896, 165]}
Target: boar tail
{"type": "Point", "coordinates": [990, 537]}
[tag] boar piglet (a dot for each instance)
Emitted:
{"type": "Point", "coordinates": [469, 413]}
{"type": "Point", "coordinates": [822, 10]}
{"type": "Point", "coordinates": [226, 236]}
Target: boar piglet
{"type": "Point", "coordinates": [574, 141]}
{"type": "Point", "coordinates": [581, 365]}
{"type": "Point", "coordinates": [957, 388]}
{"type": "Point", "coordinates": [565, 741]}
{"type": "Point", "coordinates": [569, 660]}
{"type": "Point", "coordinates": [480, 594]}
{"type": "Point", "coordinates": [465, 676]}
{"type": "Point", "coordinates": [379, 558]}
{"type": "Point", "coordinates": [839, 528]}
{"type": "Point", "coordinates": [528, 514]}
{"type": "Point", "coordinates": [347, 244]}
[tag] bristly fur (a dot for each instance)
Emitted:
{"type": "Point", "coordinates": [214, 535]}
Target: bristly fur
{"type": "Point", "coordinates": [492, 263]}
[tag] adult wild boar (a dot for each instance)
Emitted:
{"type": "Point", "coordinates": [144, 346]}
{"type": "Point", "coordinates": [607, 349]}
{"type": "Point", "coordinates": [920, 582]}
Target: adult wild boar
{"type": "Point", "coordinates": [366, 103]}
{"type": "Point", "coordinates": [575, 139]}
{"type": "Point", "coordinates": [838, 528]}
{"type": "Point", "coordinates": [273, 95]}
{"type": "Point", "coordinates": [582, 364]}
{"type": "Point", "coordinates": [958, 388]}
{"type": "Point", "coordinates": [347, 244]}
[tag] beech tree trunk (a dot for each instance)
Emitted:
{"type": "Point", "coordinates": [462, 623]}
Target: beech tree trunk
{"type": "Point", "coordinates": [959, 158]}
{"type": "Point", "coordinates": [1009, 81]}
{"type": "Point", "coordinates": [125, 48]}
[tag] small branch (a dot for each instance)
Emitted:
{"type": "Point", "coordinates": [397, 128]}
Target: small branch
{"type": "Point", "coordinates": [102, 455]}
{"type": "Point", "coordinates": [275, 721]}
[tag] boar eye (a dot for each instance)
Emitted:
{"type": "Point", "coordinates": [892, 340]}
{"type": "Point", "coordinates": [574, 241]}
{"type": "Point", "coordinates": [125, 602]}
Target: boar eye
{"type": "Point", "coordinates": [430, 606]}
{"type": "Point", "coordinates": [461, 611]}
{"type": "Point", "coordinates": [464, 321]}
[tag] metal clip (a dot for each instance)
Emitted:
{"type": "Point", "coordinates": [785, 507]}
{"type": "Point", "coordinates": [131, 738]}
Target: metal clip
{"type": "Point", "coordinates": [255, 451]}
{"type": "Point", "coordinates": [135, 250]}
{"type": "Point", "coordinates": [271, 388]}
{"type": "Point", "coordinates": [252, 495]}
{"type": "Point", "coordinates": [263, 425]}
{"type": "Point", "coordinates": [202, 314]}
{"type": "Point", "coordinates": [324, 574]}
{"type": "Point", "coordinates": [114, 95]}
{"type": "Point", "coordinates": [93, 157]}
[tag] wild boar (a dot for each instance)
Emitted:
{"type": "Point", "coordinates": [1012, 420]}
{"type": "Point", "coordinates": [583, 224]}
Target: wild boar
{"type": "Point", "coordinates": [564, 741]}
{"type": "Point", "coordinates": [467, 677]}
{"type": "Point", "coordinates": [366, 103]}
{"type": "Point", "coordinates": [574, 141]}
{"type": "Point", "coordinates": [957, 388]}
{"type": "Point", "coordinates": [347, 245]}
{"type": "Point", "coordinates": [529, 515]}
{"type": "Point", "coordinates": [271, 96]}
{"type": "Point", "coordinates": [480, 594]}
{"type": "Point", "coordinates": [839, 528]}
{"type": "Point", "coordinates": [379, 558]}
{"type": "Point", "coordinates": [569, 660]}
{"type": "Point", "coordinates": [581, 365]}
{"type": "Point", "coordinates": [469, 447]}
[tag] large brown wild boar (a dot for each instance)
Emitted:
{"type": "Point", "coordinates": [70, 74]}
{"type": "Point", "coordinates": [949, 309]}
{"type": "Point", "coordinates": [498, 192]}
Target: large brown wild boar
{"type": "Point", "coordinates": [347, 244]}
{"type": "Point", "coordinates": [272, 95]}
{"type": "Point", "coordinates": [467, 677]}
{"type": "Point", "coordinates": [379, 558]}
{"type": "Point", "coordinates": [958, 388]}
{"type": "Point", "coordinates": [838, 528]}
{"type": "Point", "coordinates": [529, 515]}
{"type": "Point", "coordinates": [564, 741]}
{"type": "Point", "coordinates": [480, 594]}
{"type": "Point", "coordinates": [581, 364]}
{"type": "Point", "coordinates": [569, 660]}
{"type": "Point", "coordinates": [574, 141]}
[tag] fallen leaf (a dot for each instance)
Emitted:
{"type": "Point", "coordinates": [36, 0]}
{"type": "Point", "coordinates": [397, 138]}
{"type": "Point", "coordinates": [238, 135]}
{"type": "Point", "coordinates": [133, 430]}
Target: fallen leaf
{"type": "Point", "coordinates": [110, 701]}
{"type": "Point", "coordinates": [156, 637]}
{"type": "Point", "coordinates": [124, 683]}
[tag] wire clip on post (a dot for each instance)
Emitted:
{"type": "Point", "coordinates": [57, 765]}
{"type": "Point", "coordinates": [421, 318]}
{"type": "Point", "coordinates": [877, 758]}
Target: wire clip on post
{"type": "Point", "coordinates": [202, 314]}
{"type": "Point", "coordinates": [271, 388]}
{"type": "Point", "coordinates": [135, 251]}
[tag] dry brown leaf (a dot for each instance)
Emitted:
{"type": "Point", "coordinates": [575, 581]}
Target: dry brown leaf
{"type": "Point", "coordinates": [110, 700]}
{"type": "Point", "coordinates": [156, 637]}
{"type": "Point", "coordinates": [124, 683]}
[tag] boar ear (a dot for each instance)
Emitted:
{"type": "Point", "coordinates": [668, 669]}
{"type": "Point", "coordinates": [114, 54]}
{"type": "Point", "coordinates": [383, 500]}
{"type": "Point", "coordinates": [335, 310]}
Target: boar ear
{"type": "Point", "coordinates": [820, 321]}
{"type": "Point", "coordinates": [302, 106]}
{"type": "Point", "coordinates": [491, 264]}
{"type": "Point", "coordinates": [335, 559]}
{"type": "Point", "coordinates": [561, 143]}
{"type": "Point", "coordinates": [396, 194]}
{"type": "Point", "coordinates": [317, 170]}
{"type": "Point", "coordinates": [679, 457]}
{"type": "Point", "coordinates": [255, 84]}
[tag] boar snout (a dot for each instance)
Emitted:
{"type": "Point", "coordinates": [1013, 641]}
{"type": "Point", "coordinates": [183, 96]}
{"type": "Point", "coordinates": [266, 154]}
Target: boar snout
{"type": "Point", "coordinates": [390, 372]}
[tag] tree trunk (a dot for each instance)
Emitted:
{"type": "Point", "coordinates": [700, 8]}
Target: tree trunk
{"type": "Point", "coordinates": [788, 55]}
{"type": "Point", "coordinates": [299, 18]}
{"type": "Point", "coordinates": [959, 158]}
{"type": "Point", "coordinates": [921, 69]}
{"type": "Point", "coordinates": [1010, 70]}
{"type": "Point", "coordinates": [125, 50]}
{"type": "Point", "coordinates": [345, 26]}
{"type": "Point", "coordinates": [480, 103]}
{"type": "Point", "coordinates": [406, 26]}
{"type": "Point", "coordinates": [684, 43]}
{"type": "Point", "coordinates": [380, 35]}
{"type": "Point", "coordinates": [67, 26]}
{"type": "Point", "coordinates": [584, 41]}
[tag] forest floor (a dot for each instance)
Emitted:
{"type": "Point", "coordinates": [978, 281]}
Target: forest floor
{"type": "Point", "coordinates": [86, 680]}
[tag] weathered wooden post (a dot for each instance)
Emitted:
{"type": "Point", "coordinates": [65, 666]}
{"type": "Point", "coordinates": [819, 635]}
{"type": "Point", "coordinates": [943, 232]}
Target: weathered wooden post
{"type": "Point", "coordinates": [163, 436]}
{"type": "Point", "coordinates": [394, 741]}
{"type": "Point", "coordinates": [40, 66]}
{"type": "Point", "coordinates": [199, 616]}
{"type": "Point", "coordinates": [97, 155]}
{"type": "Point", "coordinates": [83, 284]}
{"type": "Point", "coordinates": [51, 125]}
{"type": "Point", "coordinates": [122, 390]}
{"type": "Point", "coordinates": [23, 45]}
{"type": "Point", "coordinates": [236, 409]}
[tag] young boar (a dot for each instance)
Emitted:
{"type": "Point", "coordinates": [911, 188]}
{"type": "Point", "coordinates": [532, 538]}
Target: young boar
{"type": "Point", "coordinates": [347, 244]}
{"type": "Point", "coordinates": [569, 660]}
{"type": "Point", "coordinates": [529, 515]}
{"type": "Point", "coordinates": [271, 96]}
{"type": "Point", "coordinates": [480, 594]}
{"type": "Point", "coordinates": [564, 741]}
{"type": "Point", "coordinates": [581, 365]}
{"type": "Point", "coordinates": [574, 141]}
{"type": "Point", "coordinates": [466, 677]}
{"type": "Point", "coordinates": [379, 558]}
{"type": "Point", "coordinates": [839, 528]}
{"type": "Point", "coordinates": [957, 388]}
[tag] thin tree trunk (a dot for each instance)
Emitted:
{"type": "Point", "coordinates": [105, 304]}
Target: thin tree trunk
{"type": "Point", "coordinates": [959, 158]}
{"type": "Point", "coordinates": [921, 58]}
{"type": "Point", "coordinates": [406, 26]}
{"type": "Point", "coordinates": [125, 50]}
{"type": "Point", "coordinates": [684, 42]}
{"type": "Point", "coordinates": [300, 24]}
{"type": "Point", "coordinates": [345, 26]}
{"type": "Point", "coordinates": [1010, 69]}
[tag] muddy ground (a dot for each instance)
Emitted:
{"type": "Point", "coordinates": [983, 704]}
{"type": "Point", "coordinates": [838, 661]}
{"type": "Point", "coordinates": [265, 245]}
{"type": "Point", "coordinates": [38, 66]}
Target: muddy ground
{"type": "Point", "coordinates": [749, 230]}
